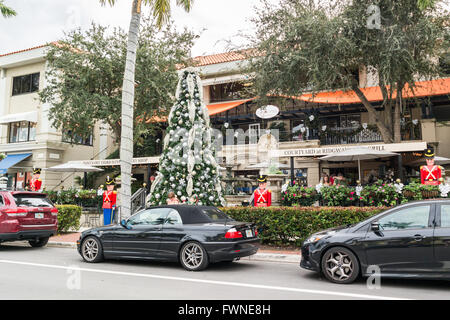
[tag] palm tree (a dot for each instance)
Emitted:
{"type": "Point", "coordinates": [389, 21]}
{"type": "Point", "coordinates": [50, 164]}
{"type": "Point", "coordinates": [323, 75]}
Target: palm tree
{"type": "Point", "coordinates": [6, 11]}
{"type": "Point", "coordinates": [161, 11]}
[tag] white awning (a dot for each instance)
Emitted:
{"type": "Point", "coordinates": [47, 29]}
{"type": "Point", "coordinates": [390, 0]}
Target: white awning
{"type": "Point", "coordinates": [17, 117]}
{"type": "Point", "coordinates": [225, 79]}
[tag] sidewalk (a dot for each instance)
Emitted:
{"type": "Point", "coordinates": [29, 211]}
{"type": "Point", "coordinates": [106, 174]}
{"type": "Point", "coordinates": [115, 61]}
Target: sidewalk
{"type": "Point", "coordinates": [69, 241]}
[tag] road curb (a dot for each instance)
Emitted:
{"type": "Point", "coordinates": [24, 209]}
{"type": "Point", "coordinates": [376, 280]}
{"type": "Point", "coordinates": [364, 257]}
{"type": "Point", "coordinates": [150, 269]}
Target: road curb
{"type": "Point", "coordinates": [261, 256]}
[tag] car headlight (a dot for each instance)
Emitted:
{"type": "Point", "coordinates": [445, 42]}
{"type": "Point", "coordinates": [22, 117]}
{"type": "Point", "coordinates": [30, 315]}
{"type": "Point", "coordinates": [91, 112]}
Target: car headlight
{"type": "Point", "coordinates": [316, 237]}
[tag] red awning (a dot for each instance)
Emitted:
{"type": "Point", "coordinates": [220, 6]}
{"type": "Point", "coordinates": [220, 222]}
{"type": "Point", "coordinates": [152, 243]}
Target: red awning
{"type": "Point", "coordinates": [422, 89]}
{"type": "Point", "coordinates": [212, 108]}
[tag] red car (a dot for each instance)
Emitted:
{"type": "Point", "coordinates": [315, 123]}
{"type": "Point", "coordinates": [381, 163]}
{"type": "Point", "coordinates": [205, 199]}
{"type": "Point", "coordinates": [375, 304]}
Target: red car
{"type": "Point", "coordinates": [27, 216]}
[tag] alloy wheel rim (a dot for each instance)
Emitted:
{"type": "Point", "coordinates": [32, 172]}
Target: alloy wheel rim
{"type": "Point", "coordinates": [192, 256]}
{"type": "Point", "coordinates": [90, 249]}
{"type": "Point", "coordinates": [339, 266]}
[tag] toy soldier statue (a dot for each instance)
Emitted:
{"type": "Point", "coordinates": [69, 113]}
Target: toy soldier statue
{"type": "Point", "coordinates": [431, 173]}
{"type": "Point", "coordinates": [36, 182]}
{"type": "Point", "coordinates": [109, 202]}
{"type": "Point", "coordinates": [262, 197]}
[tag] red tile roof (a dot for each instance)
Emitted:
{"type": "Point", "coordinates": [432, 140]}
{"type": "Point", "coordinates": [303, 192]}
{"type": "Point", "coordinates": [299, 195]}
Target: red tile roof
{"type": "Point", "coordinates": [25, 50]}
{"type": "Point", "coordinates": [221, 58]}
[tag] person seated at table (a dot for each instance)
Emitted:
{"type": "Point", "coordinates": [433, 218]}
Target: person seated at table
{"type": "Point", "coordinates": [172, 198]}
{"type": "Point", "coordinates": [340, 180]}
{"type": "Point", "coordinates": [325, 180]}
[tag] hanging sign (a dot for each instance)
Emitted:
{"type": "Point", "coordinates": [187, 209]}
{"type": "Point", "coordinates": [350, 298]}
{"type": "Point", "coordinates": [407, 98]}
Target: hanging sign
{"type": "Point", "coordinates": [267, 112]}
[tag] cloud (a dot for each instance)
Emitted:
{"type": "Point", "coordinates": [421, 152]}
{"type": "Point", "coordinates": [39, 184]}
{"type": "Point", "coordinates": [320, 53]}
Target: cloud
{"type": "Point", "coordinates": [39, 22]}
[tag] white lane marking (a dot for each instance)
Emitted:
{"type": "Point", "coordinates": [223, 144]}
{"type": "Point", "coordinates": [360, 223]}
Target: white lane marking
{"type": "Point", "coordinates": [215, 282]}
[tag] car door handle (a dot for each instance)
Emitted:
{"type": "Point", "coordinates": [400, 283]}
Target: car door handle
{"type": "Point", "coordinates": [418, 237]}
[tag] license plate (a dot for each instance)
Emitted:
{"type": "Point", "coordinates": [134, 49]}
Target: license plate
{"type": "Point", "coordinates": [248, 233]}
{"type": "Point", "coordinates": [39, 215]}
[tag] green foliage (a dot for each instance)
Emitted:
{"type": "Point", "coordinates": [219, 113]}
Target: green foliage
{"type": "Point", "coordinates": [299, 196]}
{"type": "Point", "coordinates": [339, 195]}
{"type": "Point", "coordinates": [85, 78]}
{"type": "Point", "coordinates": [380, 195]}
{"type": "Point", "coordinates": [68, 217]}
{"type": "Point", "coordinates": [6, 11]}
{"type": "Point", "coordinates": [82, 198]}
{"type": "Point", "coordinates": [287, 226]}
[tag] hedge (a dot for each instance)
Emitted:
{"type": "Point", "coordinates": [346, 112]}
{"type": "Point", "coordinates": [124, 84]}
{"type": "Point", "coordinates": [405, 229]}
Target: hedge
{"type": "Point", "coordinates": [378, 194]}
{"type": "Point", "coordinates": [292, 225]}
{"type": "Point", "coordinates": [68, 217]}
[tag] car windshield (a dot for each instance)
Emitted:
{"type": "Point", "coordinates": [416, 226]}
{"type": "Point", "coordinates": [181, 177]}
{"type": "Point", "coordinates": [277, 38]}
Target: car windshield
{"type": "Point", "coordinates": [25, 200]}
{"type": "Point", "coordinates": [216, 215]}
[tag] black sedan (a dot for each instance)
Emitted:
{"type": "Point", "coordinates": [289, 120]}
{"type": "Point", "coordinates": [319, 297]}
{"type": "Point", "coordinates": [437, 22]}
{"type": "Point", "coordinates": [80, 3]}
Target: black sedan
{"type": "Point", "coordinates": [193, 235]}
{"type": "Point", "coordinates": [408, 241]}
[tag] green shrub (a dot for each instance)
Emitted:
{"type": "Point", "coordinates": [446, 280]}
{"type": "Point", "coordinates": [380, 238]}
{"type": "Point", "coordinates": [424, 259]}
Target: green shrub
{"type": "Point", "coordinates": [68, 217]}
{"type": "Point", "coordinates": [380, 194]}
{"type": "Point", "coordinates": [291, 226]}
{"type": "Point", "coordinates": [299, 196]}
{"type": "Point", "coordinates": [339, 195]}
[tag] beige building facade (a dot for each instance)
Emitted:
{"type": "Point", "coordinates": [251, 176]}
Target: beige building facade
{"type": "Point", "coordinates": [25, 127]}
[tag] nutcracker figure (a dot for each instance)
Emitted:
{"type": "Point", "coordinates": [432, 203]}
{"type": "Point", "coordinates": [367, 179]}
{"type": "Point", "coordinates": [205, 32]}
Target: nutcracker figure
{"type": "Point", "coordinates": [262, 197]}
{"type": "Point", "coordinates": [36, 182]}
{"type": "Point", "coordinates": [109, 202]}
{"type": "Point", "coordinates": [431, 173]}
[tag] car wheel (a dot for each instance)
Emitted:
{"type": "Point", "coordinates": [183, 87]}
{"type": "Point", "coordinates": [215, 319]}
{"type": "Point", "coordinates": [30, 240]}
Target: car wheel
{"type": "Point", "coordinates": [193, 256]}
{"type": "Point", "coordinates": [340, 265]}
{"type": "Point", "coordinates": [92, 250]}
{"type": "Point", "coordinates": [38, 243]}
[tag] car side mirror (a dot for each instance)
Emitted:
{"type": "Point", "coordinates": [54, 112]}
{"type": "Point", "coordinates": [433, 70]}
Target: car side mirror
{"type": "Point", "coordinates": [124, 224]}
{"type": "Point", "coordinates": [375, 226]}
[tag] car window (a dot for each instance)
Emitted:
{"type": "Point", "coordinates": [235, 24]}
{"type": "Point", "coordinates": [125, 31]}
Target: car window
{"type": "Point", "coordinates": [150, 217]}
{"type": "Point", "coordinates": [173, 218]}
{"type": "Point", "coordinates": [408, 218]}
{"type": "Point", "coordinates": [26, 200]}
{"type": "Point", "coordinates": [216, 215]}
{"type": "Point", "coordinates": [445, 216]}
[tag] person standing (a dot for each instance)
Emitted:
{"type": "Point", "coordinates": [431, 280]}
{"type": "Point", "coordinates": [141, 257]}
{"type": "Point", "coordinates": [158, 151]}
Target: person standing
{"type": "Point", "coordinates": [262, 197]}
{"type": "Point", "coordinates": [431, 173]}
{"type": "Point", "coordinates": [36, 182]}
{"type": "Point", "coordinates": [109, 202]}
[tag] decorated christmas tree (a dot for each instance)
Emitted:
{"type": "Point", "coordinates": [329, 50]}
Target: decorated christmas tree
{"type": "Point", "coordinates": [187, 165]}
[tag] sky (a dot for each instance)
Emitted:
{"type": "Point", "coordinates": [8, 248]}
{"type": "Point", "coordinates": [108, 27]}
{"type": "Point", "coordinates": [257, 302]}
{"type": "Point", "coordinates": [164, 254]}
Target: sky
{"type": "Point", "coordinates": [42, 21]}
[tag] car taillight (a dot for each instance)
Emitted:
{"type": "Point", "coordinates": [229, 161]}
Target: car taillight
{"type": "Point", "coordinates": [54, 212]}
{"type": "Point", "coordinates": [233, 234]}
{"type": "Point", "coordinates": [256, 232]}
{"type": "Point", "coordinates": [16, 212]}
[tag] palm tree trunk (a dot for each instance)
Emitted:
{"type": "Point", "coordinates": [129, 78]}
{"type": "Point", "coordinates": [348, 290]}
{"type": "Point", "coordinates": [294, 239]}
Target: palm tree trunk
{"type": "Point", "coordinates": [126, 139]}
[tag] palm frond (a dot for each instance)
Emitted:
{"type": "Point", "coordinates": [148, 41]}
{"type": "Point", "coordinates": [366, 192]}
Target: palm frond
{"type": "Point", "coordinates": [110, 2]}
{"type": "Point", "coordinates": [186, 4]}
{"type": "Point", "coordinates": [6, 11]}
{"type": "Point", "coordinates": [161, 11]}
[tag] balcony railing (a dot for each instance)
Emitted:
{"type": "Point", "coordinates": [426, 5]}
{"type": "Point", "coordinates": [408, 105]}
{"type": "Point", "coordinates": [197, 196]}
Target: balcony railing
{"type": "Point", "coordinates": [345, 136]}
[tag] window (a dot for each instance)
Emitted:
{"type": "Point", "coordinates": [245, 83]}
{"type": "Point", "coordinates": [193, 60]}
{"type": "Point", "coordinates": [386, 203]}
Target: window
{"type": "Point", "coordinates": [22, 131]}
{"type": "Point", "coordinates": [216, 214]}
{"type": "Point", "coordinates": [32, 201]}
{"type": "Point", "coordinates": [408, 218]}
{"type": "Point", "coordinates": [228, 91]}
{"type": "Point", "coordinates": [445, 216]}
{"type": "Point", "coordinates": [150, 217]}
{"type": "Point", "coordinates": [26, 84]}
{"type": "Point", "coordinates": [69, 137]}
{"type": "Point", "coordinates": [173, 218]}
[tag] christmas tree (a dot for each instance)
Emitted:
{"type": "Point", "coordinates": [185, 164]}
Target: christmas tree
{"type": "Point", "coordinates": [187, 165]}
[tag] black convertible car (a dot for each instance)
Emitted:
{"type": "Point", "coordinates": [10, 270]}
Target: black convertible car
{"type": "Point", "coordinates": [409, 241]}
{"type": "Point", "coordinates": [193, 235]}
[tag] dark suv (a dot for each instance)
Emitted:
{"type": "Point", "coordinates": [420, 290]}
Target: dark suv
{"type": "Point", "coordinates": [27, 216]}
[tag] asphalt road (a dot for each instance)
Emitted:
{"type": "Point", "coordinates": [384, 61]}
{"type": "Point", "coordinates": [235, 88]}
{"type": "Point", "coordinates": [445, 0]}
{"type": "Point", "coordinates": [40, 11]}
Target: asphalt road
{"type": "Point", "coordinates": [60, 273]}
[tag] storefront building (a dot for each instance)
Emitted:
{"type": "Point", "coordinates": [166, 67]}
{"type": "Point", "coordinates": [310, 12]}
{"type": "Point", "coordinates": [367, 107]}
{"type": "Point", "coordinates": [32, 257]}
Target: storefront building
{"type": "Point", "coordinates": [309, 127]}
